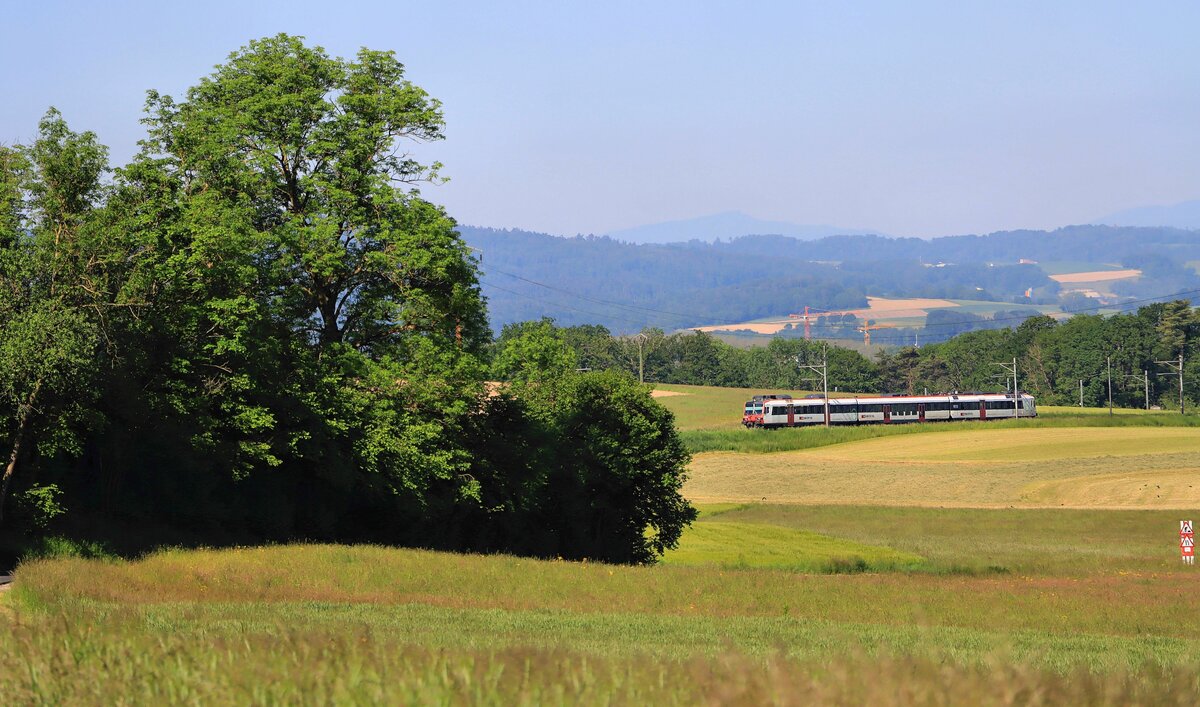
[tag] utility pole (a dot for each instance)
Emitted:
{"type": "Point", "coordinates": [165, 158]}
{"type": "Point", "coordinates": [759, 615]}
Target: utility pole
{"type": "Point", "coordinates": [1080, 393]}
{"type": "Point", "coordinates": [1109, 360]}
{"type": "Point", "coordinates": [641, 341]}
{"type": "Point", "coordinates": [1012, 368]}
{"type": "Point", "coordinates": [822, 369]}
{"type": "Point", "coordinates": [1176, 370]}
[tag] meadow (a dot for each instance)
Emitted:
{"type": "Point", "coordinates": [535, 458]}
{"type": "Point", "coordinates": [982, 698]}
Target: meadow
{"type": "Point", "coordinates": [997, 563]}
{"type": "Point", "coordinates": [710, 419]}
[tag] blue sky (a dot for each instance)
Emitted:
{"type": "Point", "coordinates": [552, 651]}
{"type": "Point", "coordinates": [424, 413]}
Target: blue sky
{"type": "Point", "coordinates": [910, 118]}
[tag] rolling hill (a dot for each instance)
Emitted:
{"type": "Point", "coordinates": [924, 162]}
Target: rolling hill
{"type": "Point", "coordinates": [627, 286]}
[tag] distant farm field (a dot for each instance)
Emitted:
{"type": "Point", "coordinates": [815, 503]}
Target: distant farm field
{"type": "Point", "coordinates": [1096, 276]}
{"type": "Point", "coordinates": [1068, 267]}
{"type": "Point", "coordinates": [892, 312]}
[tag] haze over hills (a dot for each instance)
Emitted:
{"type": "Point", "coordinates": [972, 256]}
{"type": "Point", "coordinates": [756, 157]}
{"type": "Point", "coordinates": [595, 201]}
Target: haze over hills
{"type": "Point", "coordinates": [626, 286]}
{"type": "Point", "coordinates": [1185, 214]}
{"type": "Point", "coordinates": [726, 225]}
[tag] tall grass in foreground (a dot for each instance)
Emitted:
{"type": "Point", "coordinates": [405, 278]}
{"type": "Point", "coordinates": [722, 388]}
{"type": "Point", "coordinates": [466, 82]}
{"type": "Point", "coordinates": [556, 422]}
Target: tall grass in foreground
{"type": "Point", "coordinates": [454, 600]}
{"type": "Point", "coordinates": [64, 662]}
{"type": "Point", "coordinates": [759, 441]}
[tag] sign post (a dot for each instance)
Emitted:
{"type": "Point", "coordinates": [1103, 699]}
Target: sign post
{"type": "Point", "coordinates": [1187, 542]}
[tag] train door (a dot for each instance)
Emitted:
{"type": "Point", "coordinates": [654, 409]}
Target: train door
{"type": "Point", "coordinates": [920, 412]}
{"type": "Point", "coordinates": [887, 413]}
{"type": "Point", "coordinates": [982, 409]}
{"type": "Point", "coordinates": [791, 415]}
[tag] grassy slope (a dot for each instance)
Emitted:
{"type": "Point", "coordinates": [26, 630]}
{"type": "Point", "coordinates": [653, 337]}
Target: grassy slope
{"type": "Point", "coordinates": [506, 601]}
{"type": "Point", "coordinates": [325, 623]}
{"type": "Point", "coordinates": [1027, 542]}
{"type": "Point", "coordinates": [954, 604]}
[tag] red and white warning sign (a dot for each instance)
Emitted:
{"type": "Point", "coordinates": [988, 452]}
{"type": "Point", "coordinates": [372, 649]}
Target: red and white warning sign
{"type": "Point", "coordinates": [1187, 542]}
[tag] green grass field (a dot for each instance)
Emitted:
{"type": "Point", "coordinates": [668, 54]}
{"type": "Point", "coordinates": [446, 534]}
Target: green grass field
{"type": "Point", "coordinates": [709, 419]}
{"type": "Point", "coordinates": [1067, 267]}
{"type": "Point", "coordinates": [330, 623]}
{"type": "Point", "coordinates": [1000, 563]}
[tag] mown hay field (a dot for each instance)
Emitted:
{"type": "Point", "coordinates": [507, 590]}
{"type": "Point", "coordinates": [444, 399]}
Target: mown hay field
{"type": "Point", "coordinates": [1088, 467]}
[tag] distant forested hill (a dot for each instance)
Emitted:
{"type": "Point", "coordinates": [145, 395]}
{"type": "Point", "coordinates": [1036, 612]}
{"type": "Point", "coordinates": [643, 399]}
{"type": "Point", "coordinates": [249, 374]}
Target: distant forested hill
{"type": "Point", "coordinates": [598, 280]}
{"type": "Point", "coordinates": [1105, 244]}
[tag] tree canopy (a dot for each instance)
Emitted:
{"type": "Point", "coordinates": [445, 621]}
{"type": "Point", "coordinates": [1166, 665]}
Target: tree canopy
{"type": "Point", "coordinates": [261, 326]}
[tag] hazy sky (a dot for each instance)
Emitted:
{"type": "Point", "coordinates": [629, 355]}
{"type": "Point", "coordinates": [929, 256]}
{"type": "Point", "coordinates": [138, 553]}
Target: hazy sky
{"type": "Point", "coordinates": [567, 117]}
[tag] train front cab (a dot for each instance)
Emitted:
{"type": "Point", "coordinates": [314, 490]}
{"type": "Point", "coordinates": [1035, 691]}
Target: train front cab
{"type": "Point", "coordinates": [752, 415]}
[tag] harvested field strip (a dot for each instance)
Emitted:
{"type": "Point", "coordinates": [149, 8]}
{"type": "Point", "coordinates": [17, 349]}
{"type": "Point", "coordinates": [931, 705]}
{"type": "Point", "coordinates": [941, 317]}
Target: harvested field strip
{"type": "Point", "coordinates": [1096, 276]}
{"type": "Point", "coordinates": [1160, 488]}
{"type": "Point", "coordinates": [1001, 445]}
{"type": "Point", "coordinates": [942, 470]}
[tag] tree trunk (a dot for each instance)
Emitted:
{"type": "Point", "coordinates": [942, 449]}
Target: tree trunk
{"type": "Point", "coordinates": [23, 415]}
{"type": "Point", "coordinates": [12, 463]}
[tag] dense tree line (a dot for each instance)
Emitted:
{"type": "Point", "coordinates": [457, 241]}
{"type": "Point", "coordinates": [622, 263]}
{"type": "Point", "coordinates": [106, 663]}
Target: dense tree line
{"type": "Point", "coordinates": [1053, 357]}
{"type": "Point", "coordinates": [259, 329]}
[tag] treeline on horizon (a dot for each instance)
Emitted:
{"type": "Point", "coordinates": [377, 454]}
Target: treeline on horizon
{"type": "Point", "coordinates": [1052, 358]}
{"type": "Point", "coordinates": [259, 330]}
{"type": "Point", "coordinates": [626, 287]}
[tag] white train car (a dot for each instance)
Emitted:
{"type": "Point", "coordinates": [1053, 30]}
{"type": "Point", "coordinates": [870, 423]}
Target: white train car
{"type": "Point", "coordinates": [896, 409]}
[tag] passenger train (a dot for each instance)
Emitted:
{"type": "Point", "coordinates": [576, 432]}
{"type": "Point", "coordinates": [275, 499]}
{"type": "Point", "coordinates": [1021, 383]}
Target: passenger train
{"type": "Point", "coordinates": [771, 411]}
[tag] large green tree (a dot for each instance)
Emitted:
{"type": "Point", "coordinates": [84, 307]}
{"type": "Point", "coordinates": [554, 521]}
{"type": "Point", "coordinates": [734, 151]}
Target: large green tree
{"type": "Point", "coordinates": [51, 309]}
{"type": "Point", "coordinates": [312, 312]}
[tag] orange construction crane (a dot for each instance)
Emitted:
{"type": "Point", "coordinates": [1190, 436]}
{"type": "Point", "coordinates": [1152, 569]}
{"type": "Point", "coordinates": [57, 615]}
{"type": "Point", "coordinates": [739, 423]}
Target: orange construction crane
{"type": "Point", "coordinates": [807, 322]}
{"type": "Point", "coordinates": [867, 328]}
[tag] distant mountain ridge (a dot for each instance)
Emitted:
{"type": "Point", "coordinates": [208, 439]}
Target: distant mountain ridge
{"type": "Point", "coordinates": [727, 225]}
{"type": "Point", "coordinates": [1184, 215]}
